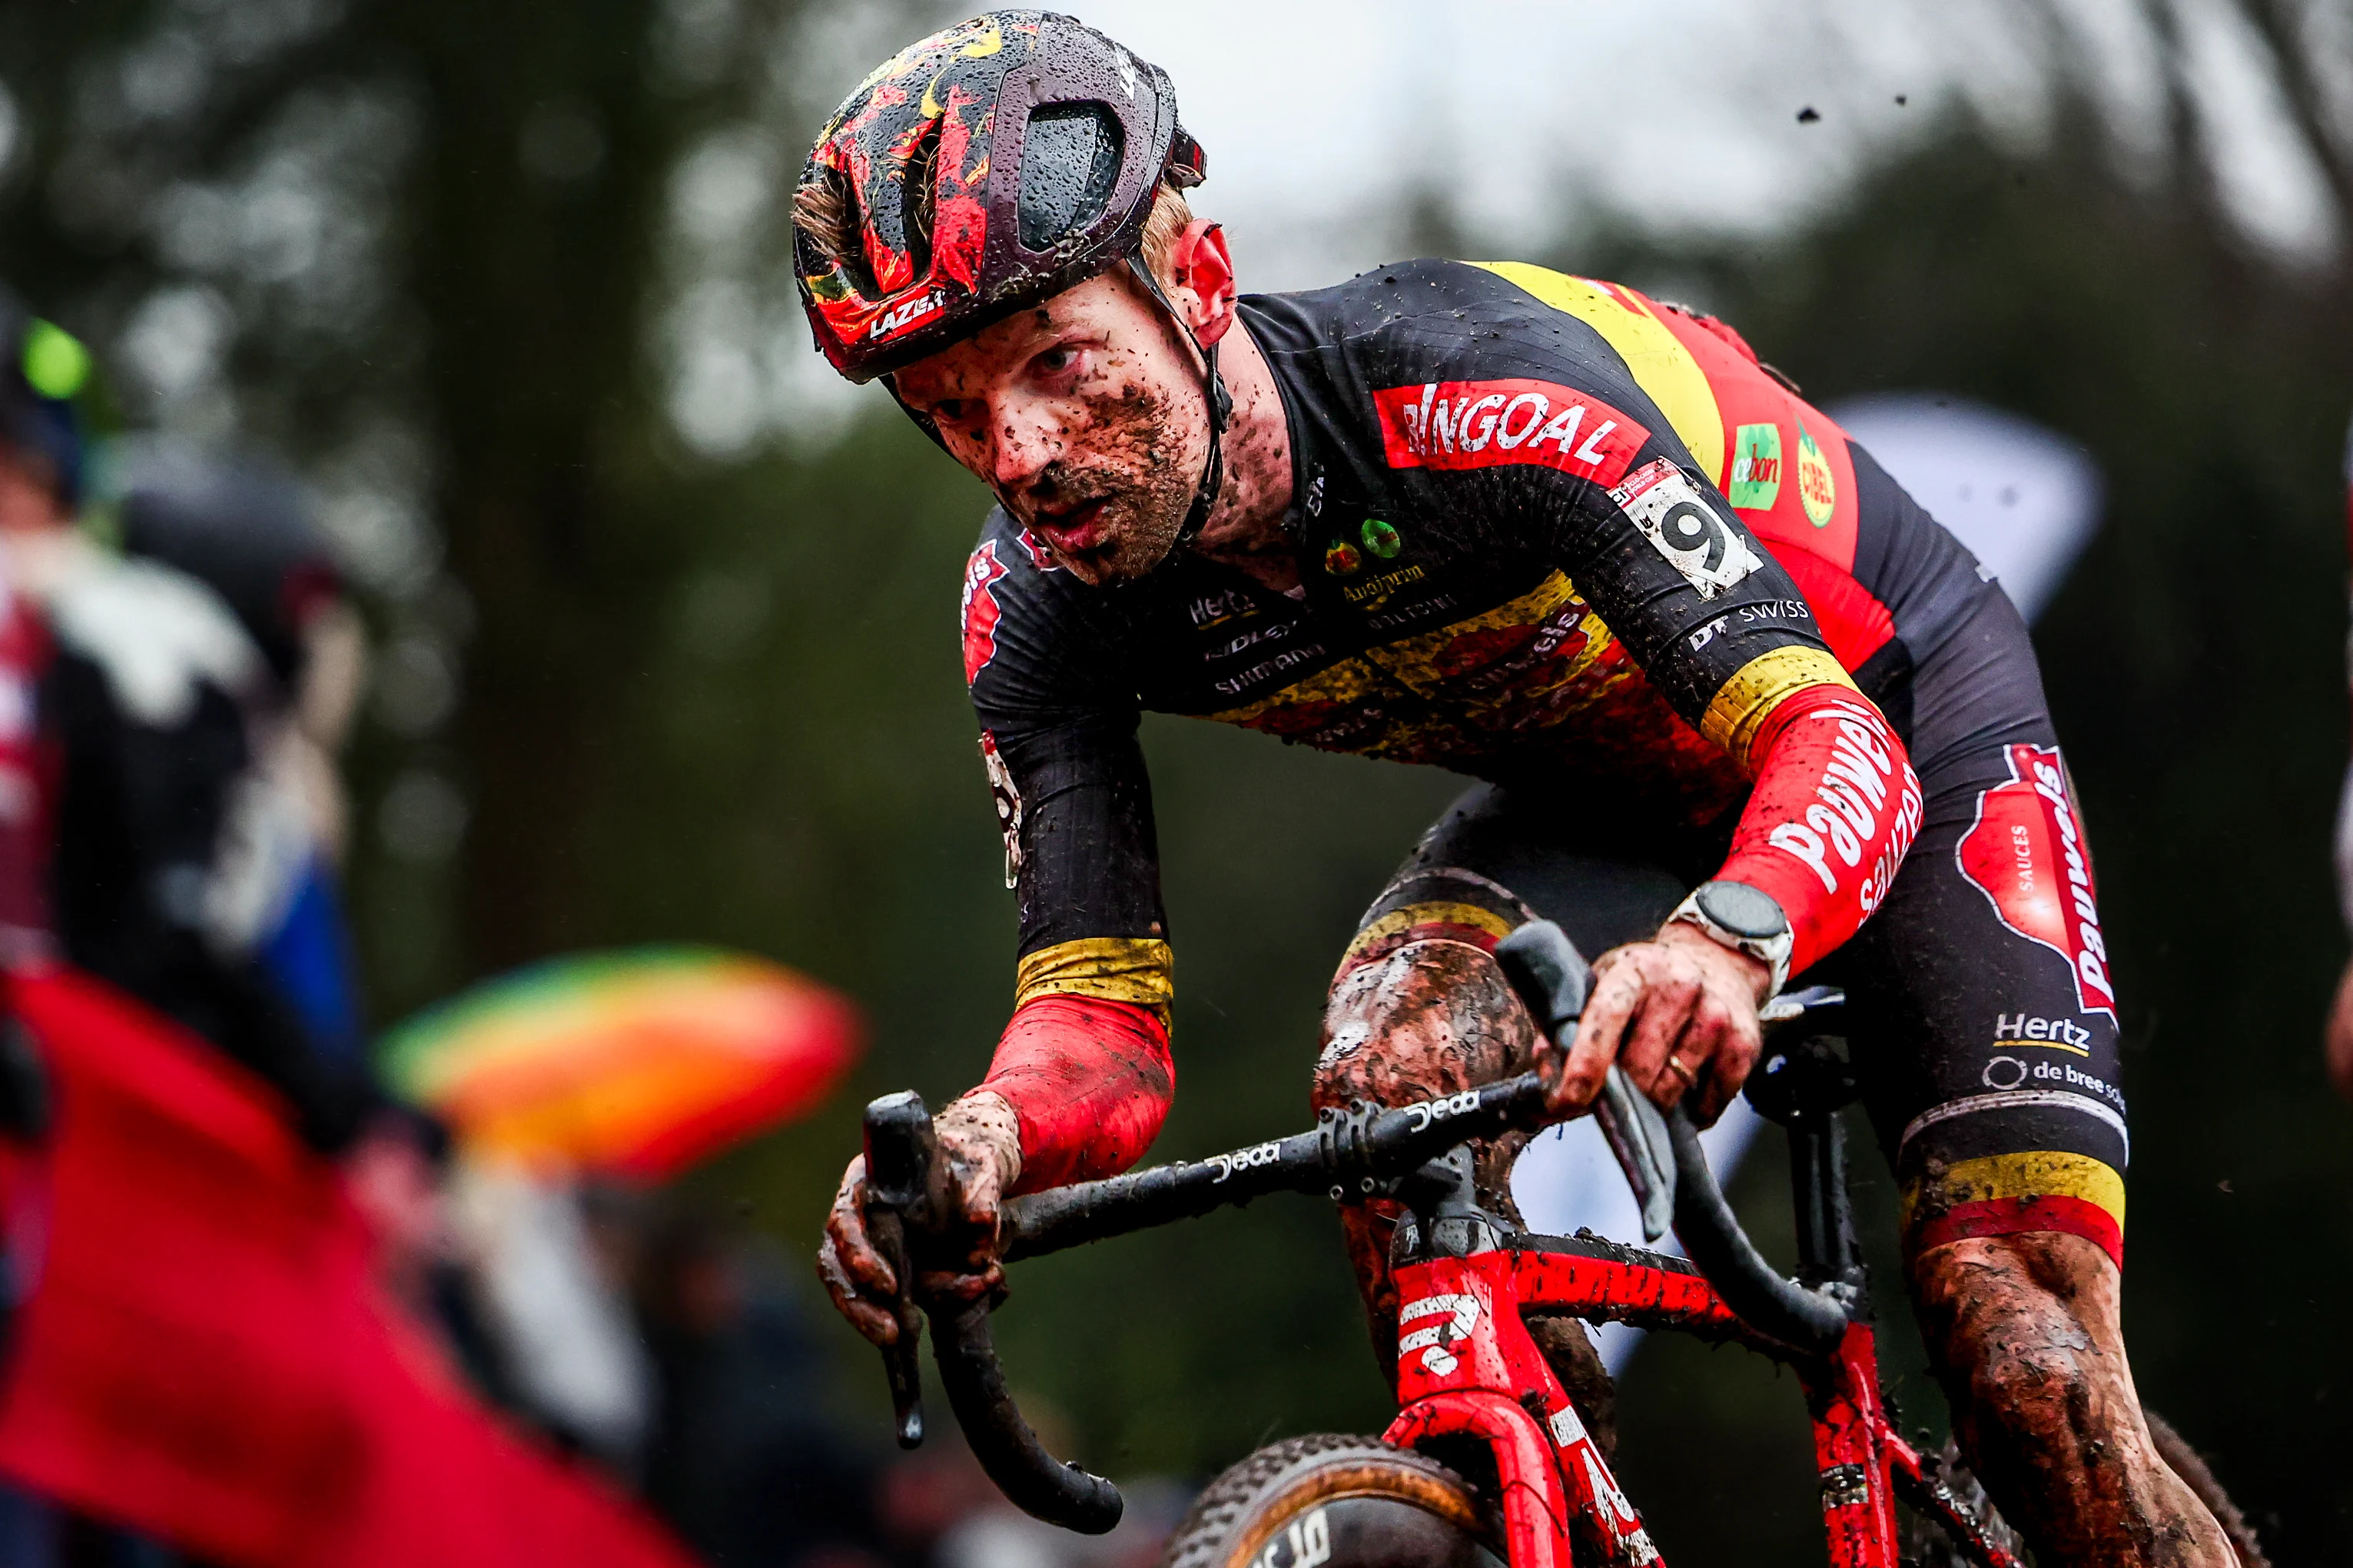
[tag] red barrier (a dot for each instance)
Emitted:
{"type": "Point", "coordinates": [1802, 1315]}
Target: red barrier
{"type": "Point", "coordinates": [206, 1355]}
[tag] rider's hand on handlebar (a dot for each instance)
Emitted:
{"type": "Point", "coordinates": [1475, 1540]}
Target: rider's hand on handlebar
{"type": "Point", "coordinates": [1679, 998]}
{"type": "Point", "coordinates": [980, 1160]}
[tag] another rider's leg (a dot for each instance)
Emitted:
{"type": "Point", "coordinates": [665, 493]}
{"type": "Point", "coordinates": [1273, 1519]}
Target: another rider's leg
{"type": "Point", "coordinates": [2026, 1332]}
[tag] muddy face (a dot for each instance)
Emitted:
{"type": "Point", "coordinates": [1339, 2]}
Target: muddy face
{"type": "Point", "coordinates": [1085, 415]}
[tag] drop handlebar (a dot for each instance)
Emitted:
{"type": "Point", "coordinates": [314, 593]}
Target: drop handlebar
{"type": "Point", "coordinates": [1348, 1156]}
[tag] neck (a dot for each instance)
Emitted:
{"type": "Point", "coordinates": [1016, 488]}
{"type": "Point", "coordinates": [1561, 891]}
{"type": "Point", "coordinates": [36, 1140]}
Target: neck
{"type": "Point", "coordinates": [1245, 527]}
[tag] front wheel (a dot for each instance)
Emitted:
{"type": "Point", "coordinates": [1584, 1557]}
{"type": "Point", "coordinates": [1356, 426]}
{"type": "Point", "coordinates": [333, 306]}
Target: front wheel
{"type": "Point", "coordinates": [1348, 1502]}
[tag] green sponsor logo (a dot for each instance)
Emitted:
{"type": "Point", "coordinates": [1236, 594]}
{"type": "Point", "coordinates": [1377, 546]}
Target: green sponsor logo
{"type": "Point", "coordinates": [1755, 466]}
{"type": "Point", "coordinates": [1381, 538]}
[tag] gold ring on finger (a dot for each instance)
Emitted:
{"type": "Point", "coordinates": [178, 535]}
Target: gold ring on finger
{"type": "Point", "coordinates": [1675, 1066]}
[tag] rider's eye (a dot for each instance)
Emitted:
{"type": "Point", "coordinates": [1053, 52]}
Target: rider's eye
{"type": "Point", "coordinates": [1055, 360]}
{"type": "Point", "coordinates": [951, 412]}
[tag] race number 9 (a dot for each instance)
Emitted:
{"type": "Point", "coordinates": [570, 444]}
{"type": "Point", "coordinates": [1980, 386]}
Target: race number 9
{"type": "Point", "coordinates": [1661, 502]}
{"type": "Point", "coordinates": [1689, 529]}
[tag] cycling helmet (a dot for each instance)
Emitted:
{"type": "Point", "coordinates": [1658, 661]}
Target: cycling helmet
{"type": "Point", "coordinates": [984, 169]}
{"type": "Point", "coordinates": [43, 369]}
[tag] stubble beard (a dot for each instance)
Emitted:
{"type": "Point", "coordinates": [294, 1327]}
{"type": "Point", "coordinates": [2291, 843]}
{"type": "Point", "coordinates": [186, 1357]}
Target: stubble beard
{"type": "Point", "coordinates": [1149, 491]}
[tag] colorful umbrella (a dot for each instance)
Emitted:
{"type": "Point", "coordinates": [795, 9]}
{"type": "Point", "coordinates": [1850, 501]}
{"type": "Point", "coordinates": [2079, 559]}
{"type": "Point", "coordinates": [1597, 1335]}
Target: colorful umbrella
{"type": "Point", "coordinates": [637, 1063]}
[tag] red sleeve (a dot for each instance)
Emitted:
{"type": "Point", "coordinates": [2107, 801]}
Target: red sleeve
{"type": "Point", "coordinates": [1091, 1082]}
{"type": "Point", "coordinates": [1836, 805]}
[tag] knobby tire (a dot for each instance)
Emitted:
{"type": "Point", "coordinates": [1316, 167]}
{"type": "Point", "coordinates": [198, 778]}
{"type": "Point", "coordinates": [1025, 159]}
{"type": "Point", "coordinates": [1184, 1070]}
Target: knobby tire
{"type": "Point", "coordinates": [1327, 1500]}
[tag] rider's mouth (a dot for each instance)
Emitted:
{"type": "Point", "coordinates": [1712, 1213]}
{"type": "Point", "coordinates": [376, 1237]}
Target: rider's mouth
{"type": "Point", "coordinates": [1076, 529]}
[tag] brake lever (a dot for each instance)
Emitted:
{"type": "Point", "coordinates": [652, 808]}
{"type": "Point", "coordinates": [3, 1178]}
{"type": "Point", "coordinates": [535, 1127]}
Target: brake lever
{"type": "Point", "coordinates": [1638, 1135]}
{"type": "Point", "coordinates": [1550, 976]}
{"type": "Point", "coordinates": [899, 1152]}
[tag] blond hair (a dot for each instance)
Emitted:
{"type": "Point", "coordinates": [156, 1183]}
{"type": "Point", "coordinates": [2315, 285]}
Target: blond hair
{"type": "Point", "coordinates": [1171, 216]}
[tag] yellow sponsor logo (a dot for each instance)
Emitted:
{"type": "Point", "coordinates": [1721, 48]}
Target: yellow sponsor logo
{"type": "Point", "coordinates": [1816, 483]}
{"type": "Point", "coordinates": [1375, 589]}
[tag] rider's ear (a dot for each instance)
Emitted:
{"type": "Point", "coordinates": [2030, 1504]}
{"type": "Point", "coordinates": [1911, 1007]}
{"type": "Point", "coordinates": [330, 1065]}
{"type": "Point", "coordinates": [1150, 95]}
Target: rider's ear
{"type": "Point", "coordinates": [1204, 276]}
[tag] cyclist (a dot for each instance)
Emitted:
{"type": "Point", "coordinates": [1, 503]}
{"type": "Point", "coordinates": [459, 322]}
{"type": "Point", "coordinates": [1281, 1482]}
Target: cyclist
{"type": "Point", "coordinates": [1715, 671]}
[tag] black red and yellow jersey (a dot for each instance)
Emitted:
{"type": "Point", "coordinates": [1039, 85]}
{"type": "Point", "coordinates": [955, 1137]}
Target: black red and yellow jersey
{"type": "Point", "coordinates": [1549, 529]}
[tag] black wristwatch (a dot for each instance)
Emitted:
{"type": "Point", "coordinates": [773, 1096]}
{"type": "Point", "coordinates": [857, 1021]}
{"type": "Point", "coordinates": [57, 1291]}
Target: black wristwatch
{"type": "Point", "coordinates": [1744, 920]}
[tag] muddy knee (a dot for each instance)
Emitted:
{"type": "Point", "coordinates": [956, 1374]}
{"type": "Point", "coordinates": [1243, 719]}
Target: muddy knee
{"type": "Point", "coordinates": [1426, 1019]}
{"type": "Point", "coordinates": [2025, 1329]}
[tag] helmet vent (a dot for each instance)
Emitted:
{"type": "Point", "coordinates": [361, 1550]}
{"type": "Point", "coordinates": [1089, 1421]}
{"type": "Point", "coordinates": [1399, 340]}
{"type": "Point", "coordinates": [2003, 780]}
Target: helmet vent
{"type": "Point", "coordinates": [919, 190]}
{"type": "Point", "coordinates": [1069, 169]}
{"type": "Point", "coordinates": [826, 228]}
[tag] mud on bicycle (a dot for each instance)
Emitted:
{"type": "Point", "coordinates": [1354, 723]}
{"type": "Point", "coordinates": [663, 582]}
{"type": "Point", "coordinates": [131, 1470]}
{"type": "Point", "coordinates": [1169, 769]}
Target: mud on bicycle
{"type": "Point", "coordinates": [1489, 1457]}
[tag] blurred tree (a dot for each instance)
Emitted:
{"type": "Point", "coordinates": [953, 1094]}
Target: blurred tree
{"type": "Point", "coordinates": [427, 248]}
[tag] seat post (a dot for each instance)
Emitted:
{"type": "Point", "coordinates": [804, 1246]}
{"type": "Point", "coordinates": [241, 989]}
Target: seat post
{"type": "Point", "coordinates": [1826, 1248]}
{"type": "Point", "coordinates": [1803, 1087]}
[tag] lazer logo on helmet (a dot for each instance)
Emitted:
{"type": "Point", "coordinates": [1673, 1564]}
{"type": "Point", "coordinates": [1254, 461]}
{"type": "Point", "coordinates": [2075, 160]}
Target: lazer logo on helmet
{"type": "Point", "coordinates": [1485, 424]}
{"type": "Point", "coordinates": [2026, 854]}
{"type": "Point", "coordinates": [906, 314]}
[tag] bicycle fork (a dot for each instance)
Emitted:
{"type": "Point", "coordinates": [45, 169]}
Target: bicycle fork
{"type": "Point", "coordinates": [1458, 1358]}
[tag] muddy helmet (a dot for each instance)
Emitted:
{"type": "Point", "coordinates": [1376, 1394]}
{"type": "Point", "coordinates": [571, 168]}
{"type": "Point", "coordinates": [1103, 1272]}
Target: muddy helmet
{"type": "Point", "coordinates": [984, 170]}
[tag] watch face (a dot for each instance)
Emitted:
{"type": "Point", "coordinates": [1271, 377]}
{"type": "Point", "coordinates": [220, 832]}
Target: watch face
{"type": "Point", "coordinates": [1742, 910]}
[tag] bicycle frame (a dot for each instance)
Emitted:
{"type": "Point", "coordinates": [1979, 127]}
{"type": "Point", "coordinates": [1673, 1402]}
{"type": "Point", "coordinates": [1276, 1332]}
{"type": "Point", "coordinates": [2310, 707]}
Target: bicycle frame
{"type": "Point", "coordinates": [1467, 1368]}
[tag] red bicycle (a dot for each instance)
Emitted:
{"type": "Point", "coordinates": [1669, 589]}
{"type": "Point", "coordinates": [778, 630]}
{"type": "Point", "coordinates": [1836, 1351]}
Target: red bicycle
{"type": "Point", "coordinates": [1488, 1455]}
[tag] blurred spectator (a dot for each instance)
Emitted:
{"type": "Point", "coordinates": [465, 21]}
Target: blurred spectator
{"type": "Point", "coordinates": [158, 710]}
{"type": "Point", "coordinates": [243, 530]}
{"type": "Point", "coordinates": [552, 1309]}
{"type": "Point", "coordinates": [747, 1460]}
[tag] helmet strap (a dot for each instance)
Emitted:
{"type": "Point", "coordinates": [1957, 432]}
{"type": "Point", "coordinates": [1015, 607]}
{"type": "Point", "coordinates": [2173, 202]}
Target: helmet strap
{"type": "Point", "coordinates": [1221, 404]}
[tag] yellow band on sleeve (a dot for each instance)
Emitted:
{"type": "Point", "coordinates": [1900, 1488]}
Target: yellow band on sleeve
{"type": "Point", "coordinates": [1139, 970]}
{"type": "Point", "coordinates": [1743, 703]}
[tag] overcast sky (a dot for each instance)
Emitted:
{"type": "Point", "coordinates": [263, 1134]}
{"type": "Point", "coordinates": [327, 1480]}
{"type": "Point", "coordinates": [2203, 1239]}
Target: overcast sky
{"type": "Point", "coordinates": [1681, 115]}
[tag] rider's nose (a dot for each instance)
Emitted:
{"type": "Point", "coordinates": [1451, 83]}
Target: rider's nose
{"type": "Point", "coordinates": [1021, 444]}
